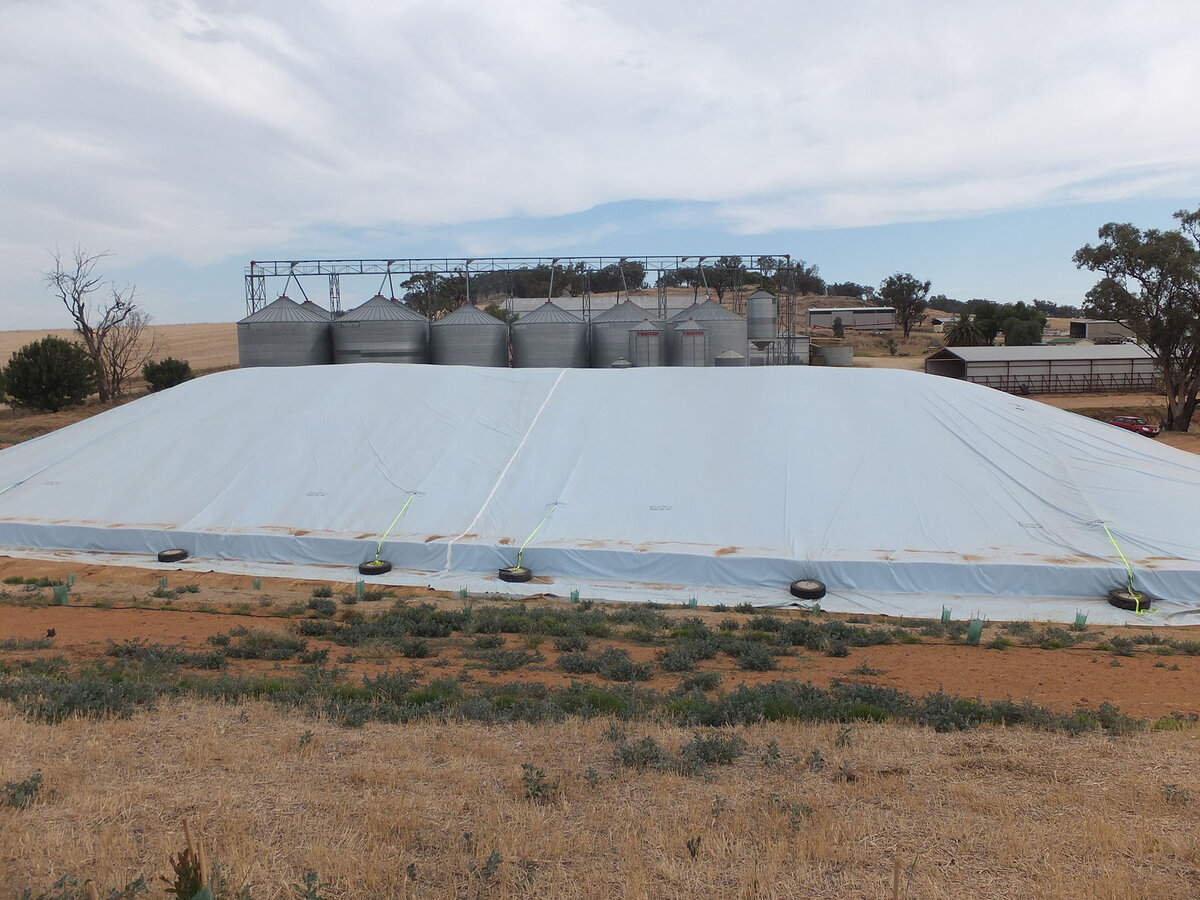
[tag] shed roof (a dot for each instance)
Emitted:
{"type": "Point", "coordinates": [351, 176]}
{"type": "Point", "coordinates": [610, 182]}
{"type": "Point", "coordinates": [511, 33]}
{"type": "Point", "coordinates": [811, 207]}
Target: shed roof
{"type": "Point", "coordinates": [1041, 352]}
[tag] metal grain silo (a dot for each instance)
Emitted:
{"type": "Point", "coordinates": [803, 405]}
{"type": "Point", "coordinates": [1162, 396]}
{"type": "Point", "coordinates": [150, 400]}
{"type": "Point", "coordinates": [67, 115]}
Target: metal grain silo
{"type": "Point", "coordinates": [669, 332]}
{"type": "Point", "coordinates": [689, 344]}
{"type": "Point", "coordinates": [283, 333]}
{"type": "Point", "coordinates": [729, 358]}
{"type": "Point", "coordinates": [381, 330]}
{"type": "Point", "coordinates": [761, 315]}
{"type": "Point", "coordinates": [610, 332]}
{"type": "Point", "coordinates": [469, 337]}
{"type": "Point", "coordinates": [725, 330]}
{"type": "Point", "coordinates": [647, 344]}
{"type": "Point", "coordinates": [549, 337]}
{"type": "Point", "coordinates": [317, 308]}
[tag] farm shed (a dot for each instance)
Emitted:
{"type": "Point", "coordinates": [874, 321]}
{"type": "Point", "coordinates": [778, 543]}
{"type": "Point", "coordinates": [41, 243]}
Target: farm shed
{"type": "Point", "coordinates": [1046, 369]}
{"type": "Point", "coordinates": [780, 478]}
{"type": "Point", "coordinates": [854, 318]}
{"type": "Point", "coordinates": [1102, 331]}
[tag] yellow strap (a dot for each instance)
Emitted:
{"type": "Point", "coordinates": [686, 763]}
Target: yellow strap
{"type": "Point", "coordinates": [379, 547]}
{"type": "Point", "coordinates": [1128, 568]}
{"type": "Point", "coordinates": [546, 519]}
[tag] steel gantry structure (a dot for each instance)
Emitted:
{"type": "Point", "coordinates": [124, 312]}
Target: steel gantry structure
{"type": "Point", "coordinates": [258, 272]}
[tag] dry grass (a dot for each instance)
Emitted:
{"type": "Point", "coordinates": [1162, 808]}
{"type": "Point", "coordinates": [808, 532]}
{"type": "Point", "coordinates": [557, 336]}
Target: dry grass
{"type": "Point", "coordinates": [993, 813]}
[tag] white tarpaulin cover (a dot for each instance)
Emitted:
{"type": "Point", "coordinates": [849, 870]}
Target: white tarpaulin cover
{"type": "Point", "coordinates": [880, 483]}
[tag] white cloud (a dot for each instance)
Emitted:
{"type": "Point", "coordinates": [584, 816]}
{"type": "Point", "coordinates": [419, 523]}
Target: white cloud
{"type": "Point", "coordinates": [202, 130]}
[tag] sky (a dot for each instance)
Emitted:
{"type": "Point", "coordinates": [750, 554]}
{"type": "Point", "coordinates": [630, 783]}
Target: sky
{"type": "Point", "coordinates": [974, 144]}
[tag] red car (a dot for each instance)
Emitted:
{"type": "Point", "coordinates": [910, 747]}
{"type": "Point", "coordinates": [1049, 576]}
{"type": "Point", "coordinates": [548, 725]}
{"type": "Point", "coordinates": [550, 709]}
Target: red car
{"type": "Point", "coordinates": [1133, 423]}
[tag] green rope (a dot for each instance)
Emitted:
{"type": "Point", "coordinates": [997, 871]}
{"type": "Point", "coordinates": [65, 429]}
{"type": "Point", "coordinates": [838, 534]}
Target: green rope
{"type": "Point", "coordinates": [1137, 598]}
{"type": "Point", "coordinates": [553, 507]}
{"type": "Point", "coordinates": [379, 547]}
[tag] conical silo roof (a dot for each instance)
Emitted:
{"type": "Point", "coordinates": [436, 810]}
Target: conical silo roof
{"type": "Point", "coordinates": [469, 314]}
{"type": "Point", "coordinates": [315, 307]}
{"type": "Point", "coordinates": [626, 311]}
{"type": "Point", "coordinates": [284, 310]}
{"type": "Point", "coordinates": [710, 311]}
{"type": "Point", "coordinates": [760, 294]}
{"type": "Point", "coordinates": [549, 313]}
{"type": "Point", "coordinates": [380, 309]}
{"type": "Point", "coordinates": [683, 315]}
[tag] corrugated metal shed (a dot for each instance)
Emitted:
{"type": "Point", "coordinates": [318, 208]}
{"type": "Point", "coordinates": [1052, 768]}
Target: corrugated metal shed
{"type": "Point", "coordinates": [1046, 352]}
{"type": "Point", "coordinates": [1045, 369]}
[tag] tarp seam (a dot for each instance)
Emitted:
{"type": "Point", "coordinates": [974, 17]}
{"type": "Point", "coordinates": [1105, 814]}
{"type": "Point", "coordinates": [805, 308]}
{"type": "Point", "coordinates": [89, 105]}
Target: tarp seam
{"type": "Point", "coordinates": [517, 452]}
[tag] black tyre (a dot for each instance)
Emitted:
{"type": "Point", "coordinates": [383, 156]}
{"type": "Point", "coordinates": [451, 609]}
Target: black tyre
{"type": "Point", "coordinates": [515, 574]}
{"type": "Point", "coordinates": [175, 555]}
{"type": "Point", "coordinates": [375, 567]}
{"type": "Point", "coordinates": [808, 589]}
{"type": "Point", "coordinates": [1123, 598]}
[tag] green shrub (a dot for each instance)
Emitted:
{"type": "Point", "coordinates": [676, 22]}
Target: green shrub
{"type": "Point", "coordinates": [755, 658]}
{"type": "Point", "coordinates": [322, 606]}
{"type": "Point", "coordinates": [571, 642]}
{"type": "Point", "coordinates": [640, 755]}
{"type": "Point", "coordinates": [49, 374]}
{"type": "Point", "coordinates": [508, 660]}
{"type": "Point", "coordinates": [706, 750]}
{"type": "Point", "coordinates": [701, 681]}
{"type": "Point", "coordinates": [166, 373]}
{"type": "Point", "coordinates": [22, 794]}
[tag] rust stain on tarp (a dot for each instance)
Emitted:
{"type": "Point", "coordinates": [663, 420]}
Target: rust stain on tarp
{"type": "Point", "coordinates": [725, 551]}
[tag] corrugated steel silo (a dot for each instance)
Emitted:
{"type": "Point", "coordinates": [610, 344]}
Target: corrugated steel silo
{"type": "Point", "coordinates": [725, 330]}
{"type": "Point", "coordinates": [761, 315]}
{"type": "Point", "coordinates": [647, 344]}
{"type": "Point", "coordinates": [549, 337]}
{"type": "Point", "coordinates": [284, 333]}
{"type": "Point", "coordinates": [317, 308]}
{"type": "Point", "coordinates": [669, 332]}
{"type": "Point", "coordinates": [610, 332]}
{"type": "Point", "coordinates": [381, 330]}
{"type": "Point", "coordinates": [469, 337]}
{"type": "Point", "coordinates": [689, 344]}
{"type": "Point", "coordinates": [729, 358]}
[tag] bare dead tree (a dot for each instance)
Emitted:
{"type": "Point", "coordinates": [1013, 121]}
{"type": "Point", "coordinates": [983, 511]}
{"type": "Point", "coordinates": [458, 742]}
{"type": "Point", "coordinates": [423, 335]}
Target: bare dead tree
{"type": "Point", "coordinates": [128, 347]}
{"type": "Point", "coordinates": [76, 281]}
